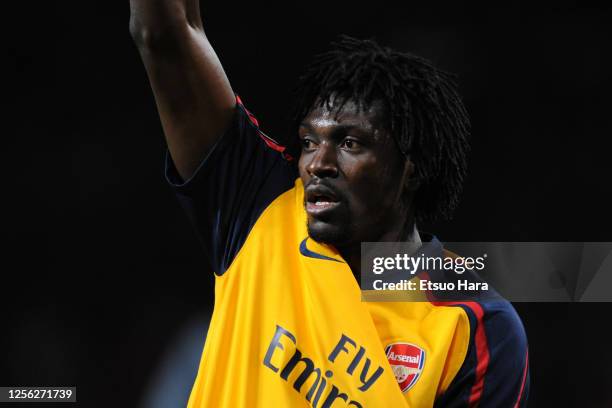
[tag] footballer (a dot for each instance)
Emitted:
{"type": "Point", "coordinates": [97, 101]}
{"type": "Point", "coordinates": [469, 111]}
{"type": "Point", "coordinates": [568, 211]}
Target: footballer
{"type": "Point", "coordinates": [383, 138]}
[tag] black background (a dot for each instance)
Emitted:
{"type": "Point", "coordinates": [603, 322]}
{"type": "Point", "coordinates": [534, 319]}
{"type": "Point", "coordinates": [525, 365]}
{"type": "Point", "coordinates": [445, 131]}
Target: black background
{"type": "Point", "coordinates": [101, 266]}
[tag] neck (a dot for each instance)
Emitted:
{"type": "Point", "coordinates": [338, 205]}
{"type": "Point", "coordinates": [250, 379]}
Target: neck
{"type": "Point", "coordinates": [352, 252]}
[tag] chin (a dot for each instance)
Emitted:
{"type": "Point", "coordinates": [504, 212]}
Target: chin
{"type": "Point", "coordinates": [326, 233]}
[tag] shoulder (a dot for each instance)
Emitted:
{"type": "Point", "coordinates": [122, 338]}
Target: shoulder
{"type": "Point", "coordinates": [495, 371]}
{"type": "Point", "coordinates": [495, 367]}
{"type": "Point", "coordinates": [497, 338]}
{"type": "Point", "coordinates": [244, 173]}
{"type": "Point", "coordinates": [493, 317]}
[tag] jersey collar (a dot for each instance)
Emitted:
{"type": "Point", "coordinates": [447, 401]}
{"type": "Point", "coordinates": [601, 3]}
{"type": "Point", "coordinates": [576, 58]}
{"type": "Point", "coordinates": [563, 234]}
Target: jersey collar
{"type": "Point", "coordinates": [313, 249]}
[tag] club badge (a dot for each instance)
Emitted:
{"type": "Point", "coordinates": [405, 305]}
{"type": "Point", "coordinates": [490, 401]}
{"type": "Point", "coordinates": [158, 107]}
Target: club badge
{"type": "Point", "coordinates": [407, 362]}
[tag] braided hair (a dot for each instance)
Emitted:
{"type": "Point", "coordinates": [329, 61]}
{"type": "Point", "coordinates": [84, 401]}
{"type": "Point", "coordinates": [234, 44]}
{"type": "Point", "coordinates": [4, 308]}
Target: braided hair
{"type": "Point", "coordinates": [423, 112]}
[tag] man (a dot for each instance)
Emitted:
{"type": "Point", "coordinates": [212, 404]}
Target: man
{"type": "Point", "coordinates": [383, 138]}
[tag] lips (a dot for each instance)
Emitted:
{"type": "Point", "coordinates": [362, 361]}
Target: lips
{"type": "Point", "coordinates": [320, 199]}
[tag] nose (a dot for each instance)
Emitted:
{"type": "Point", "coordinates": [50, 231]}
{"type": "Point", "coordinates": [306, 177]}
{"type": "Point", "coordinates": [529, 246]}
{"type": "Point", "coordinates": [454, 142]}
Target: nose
{"type": "Point", "coordinates": [323, 162]}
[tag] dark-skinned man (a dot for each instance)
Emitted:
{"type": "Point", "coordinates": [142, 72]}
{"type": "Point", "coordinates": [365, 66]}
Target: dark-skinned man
{"type": "Point", "coordinates": [383, 146]}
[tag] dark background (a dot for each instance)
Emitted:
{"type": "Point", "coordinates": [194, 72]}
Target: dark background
{"type": "Point", "coordinates": [101, 267]}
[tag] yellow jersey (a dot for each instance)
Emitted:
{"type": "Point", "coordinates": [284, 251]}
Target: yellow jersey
{"type": "Point", "coordinates": [289, 328]}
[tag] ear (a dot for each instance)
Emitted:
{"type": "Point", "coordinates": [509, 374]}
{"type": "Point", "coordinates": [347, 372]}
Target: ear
{"type": "Point", "coordinates": [409, 178]}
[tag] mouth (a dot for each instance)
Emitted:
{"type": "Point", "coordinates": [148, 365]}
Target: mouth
{"type": "Point", "coordinates": [320, 200]}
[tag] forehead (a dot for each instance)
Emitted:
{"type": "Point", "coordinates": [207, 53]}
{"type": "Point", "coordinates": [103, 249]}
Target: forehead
{"type": "Point", "coordinates": [348, 114]}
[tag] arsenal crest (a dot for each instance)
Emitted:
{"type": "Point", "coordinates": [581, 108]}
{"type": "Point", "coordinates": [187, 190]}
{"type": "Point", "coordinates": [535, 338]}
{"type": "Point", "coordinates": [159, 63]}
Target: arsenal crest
{"type": "Point", "coordinates": [407, 362]}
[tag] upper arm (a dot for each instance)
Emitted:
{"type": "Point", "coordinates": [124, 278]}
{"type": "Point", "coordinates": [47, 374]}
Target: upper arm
{"type": "Point", "coordinates": [239, 177]}
{"type": "Point", "coordinates": [193, 95]}
{"type": "Point", "coordinates": [495, 372]}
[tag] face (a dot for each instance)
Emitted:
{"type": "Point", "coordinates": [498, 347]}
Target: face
{"type": "Point", "coordinates": [351, 171]}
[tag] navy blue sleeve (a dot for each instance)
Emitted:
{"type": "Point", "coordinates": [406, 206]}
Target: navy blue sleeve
{"type": "Point", "coordinates": [495, 372]}
{"type": "Point", "coordinates": [239, 177]}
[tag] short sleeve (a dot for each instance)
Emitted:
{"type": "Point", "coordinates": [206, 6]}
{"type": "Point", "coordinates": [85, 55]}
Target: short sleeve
{"type": "Point", "coordinates": [239, 177]}
{"type": "Point", "coordinates": [495, 372]}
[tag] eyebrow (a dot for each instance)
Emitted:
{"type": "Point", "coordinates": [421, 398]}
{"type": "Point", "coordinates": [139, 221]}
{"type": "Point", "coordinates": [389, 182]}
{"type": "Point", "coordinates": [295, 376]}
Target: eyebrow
{"type": "Point", "coordinates": [338, 127]}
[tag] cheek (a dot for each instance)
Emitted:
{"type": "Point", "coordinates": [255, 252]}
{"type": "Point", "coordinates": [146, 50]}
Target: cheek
{"type": "Point", "coordinates": [375, 186]}
{"type": "Point", "coordinates": [367, 181]}
{"type": "Point", "coordinates": [302, 168]}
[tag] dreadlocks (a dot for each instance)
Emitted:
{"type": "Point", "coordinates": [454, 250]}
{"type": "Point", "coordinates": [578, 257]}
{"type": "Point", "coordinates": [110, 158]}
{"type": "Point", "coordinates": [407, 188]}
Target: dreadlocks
{"type": "Point", "coordinates": [423, 112]}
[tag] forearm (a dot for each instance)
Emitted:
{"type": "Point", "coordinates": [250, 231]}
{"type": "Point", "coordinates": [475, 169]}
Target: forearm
{"type": "Point", "coordinates": [193, 95]}
{"type": "Point", "coordinates": [153, 20]}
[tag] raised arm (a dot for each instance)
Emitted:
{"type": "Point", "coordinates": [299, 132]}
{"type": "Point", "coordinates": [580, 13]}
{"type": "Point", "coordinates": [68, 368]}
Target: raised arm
{"type": "Point", "coordinates": [194, 98]}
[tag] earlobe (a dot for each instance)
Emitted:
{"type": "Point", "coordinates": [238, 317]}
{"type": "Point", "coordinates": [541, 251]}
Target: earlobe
{"type": "Point", "coordinates": [410, 179]}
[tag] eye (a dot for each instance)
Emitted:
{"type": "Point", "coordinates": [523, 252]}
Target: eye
{"type": "Point", "coordinates": [307, 144]}
{"type": "Point", "coordinates": [349, 144]}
